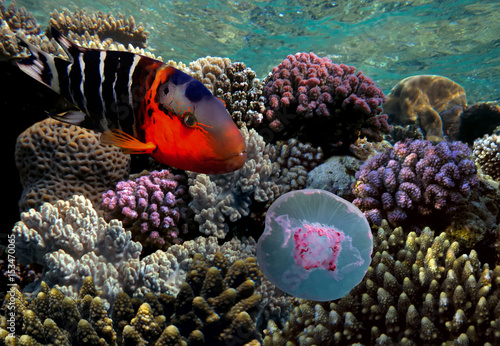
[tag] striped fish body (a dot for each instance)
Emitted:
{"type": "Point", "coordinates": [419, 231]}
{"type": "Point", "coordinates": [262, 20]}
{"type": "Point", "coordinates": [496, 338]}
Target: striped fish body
{"type": "Point", "coordinates": [107, 86]}
{"type": "Point", "coordinates": [141, 105]}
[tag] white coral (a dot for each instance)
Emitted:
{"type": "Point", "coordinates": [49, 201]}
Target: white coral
{"type": "Point", "coordinates": [227, 197]}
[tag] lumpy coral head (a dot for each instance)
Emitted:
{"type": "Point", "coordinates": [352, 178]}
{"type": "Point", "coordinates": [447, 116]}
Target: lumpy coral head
{"type": "Point", "coordinates": [315, 246]}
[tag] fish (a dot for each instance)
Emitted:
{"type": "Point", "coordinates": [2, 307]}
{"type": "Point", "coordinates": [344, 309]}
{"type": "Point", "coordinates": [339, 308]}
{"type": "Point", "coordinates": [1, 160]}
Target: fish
{"type": "Point", "coordinates": [141, 105]}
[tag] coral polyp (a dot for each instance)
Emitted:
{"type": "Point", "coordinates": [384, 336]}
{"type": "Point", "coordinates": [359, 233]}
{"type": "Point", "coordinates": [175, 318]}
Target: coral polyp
{"type": "Point", "coordinates": [315, 246]}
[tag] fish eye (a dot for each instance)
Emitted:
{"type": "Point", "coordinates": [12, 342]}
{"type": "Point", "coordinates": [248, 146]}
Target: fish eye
{"type": "Point", "coordinates": [189, 119]}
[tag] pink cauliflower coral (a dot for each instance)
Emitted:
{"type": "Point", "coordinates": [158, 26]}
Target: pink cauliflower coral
{"type": "Point", "coordinates": [313, 99]}
{"type": "Point", "coordinates": [152, 206]}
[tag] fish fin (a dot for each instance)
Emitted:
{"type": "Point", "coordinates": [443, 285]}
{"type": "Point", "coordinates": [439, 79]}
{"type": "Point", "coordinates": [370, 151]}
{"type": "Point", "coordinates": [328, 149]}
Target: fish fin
{"type": "Point", "coordinates": [71, 48]}
{"type": "Point", "coordinates": [38, 65]}
{"type": "Point", "coordinates": [70, 117]}
{"type": "Point", "coordinates": [128, 143]}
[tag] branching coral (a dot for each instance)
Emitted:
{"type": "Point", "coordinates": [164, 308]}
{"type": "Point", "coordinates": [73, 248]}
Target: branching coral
{"type": "Point", "coordinates": [73, 242]}
{"type": "Point", "coordinates": [234, 83]}
{"type": "Point", "coordinates": [104, 25]}
{"type": "Point", "coordinates": [486, 154]}
{"type": "Point", "coordinates": [419, 289]}
{"type": "Point", "coordinates": [330, 105]}
{"type": "Point", "coordinates": [57, 160]}
{"type": "Point", "coordinates": [415, 178]}
{"type": "Point", "coordinates": [229, 196]}
{"type": "Point", "coordinates": [152, 206]}
{"type": "Point", "coordinates": [12, 20]}
{"type": "Point", "coordinates": [216, 304]}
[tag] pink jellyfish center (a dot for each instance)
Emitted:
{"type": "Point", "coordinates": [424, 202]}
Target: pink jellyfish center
{"type": "Point", "coordinates": [317, 246]}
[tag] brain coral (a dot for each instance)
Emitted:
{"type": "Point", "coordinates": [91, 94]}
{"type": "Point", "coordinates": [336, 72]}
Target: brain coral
{"type": "Point", "coordinates": [330, 105]}
{"type": "Point", "coordinates": [152, 206]}
{"type": "Point", "coordinates": [415, 178]}
{"type": "Point", "coordinates": [432, 102]}
{"type": "Point", "coordinates": [419, 290]}
{"type": "Point", "coordinates": [57, 160]}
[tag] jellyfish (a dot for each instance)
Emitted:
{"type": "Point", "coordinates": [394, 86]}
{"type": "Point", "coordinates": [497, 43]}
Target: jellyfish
{"type": "Point", "coordinates": [315, 245]}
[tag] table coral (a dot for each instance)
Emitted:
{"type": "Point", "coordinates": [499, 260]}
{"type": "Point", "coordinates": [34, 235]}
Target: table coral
{"type": "Point", "coordinates": [57, 160]}
{"type": "Point", "coordinates": [433, 102]}
{"type": "Point", "coordinates": [330, 105]}
{"type": "Point", "coordinates": [415, 178]}
{"type": "Point", "coordinates": [419, 289]}
{"type": "Point", "coordinates": [104, 25]}
{"type": "Point", "coordinates": [152, 206]}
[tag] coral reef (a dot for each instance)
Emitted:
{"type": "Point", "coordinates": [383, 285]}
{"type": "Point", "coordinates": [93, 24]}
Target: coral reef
{"type": "Point", "coordinates": [208, 70]}
{"type": "Point", "coordinates": [314, 100]}
{"type": "Point", "coordinates": [486, 153]}
{"type": "Point", "coordinates": [478, 120]}
{"type": "Point", "coordinates": [73, 242]}
{"type": "Point", "coordinates": [227, 197]}
{"type": "Point", "coordinates": [213, 306]}
{"type": "Point", "coordinates": [235, 84]}
{"type": "Point", "coordinates": [57, 160]}
{"type": "Point", "coordinates": [92, 30]}
{"type": "Point", "coordinates": [415, 178]}
{"type": "Point", "coordinates": [433, 102]}
{"type": "Point", "coordinates": [336, 175]}
{"type": "Point", "coordinates": [12, 20]}
{"type": "Point", "coordinates": [103, 25]}
{"type": "Point", "coordinates": [419, 289]}
{"type": "Point", "coordinates": [241, 91]}
{"type": "Point", "coordinates": [152, 206]}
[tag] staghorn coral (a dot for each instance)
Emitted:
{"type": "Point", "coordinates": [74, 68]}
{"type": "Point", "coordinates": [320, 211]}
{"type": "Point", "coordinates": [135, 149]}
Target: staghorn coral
{"type": "Point", "coordinates": [152, 206]}
{"type": "Point", "coordinates": [57, 160]}
{"type": "Point", "coordinates": [432, 102]}
{"type": "Point", "coordinates": [414, 179]}
{"type": "Point", "coordinates": [419, 289]}
{"type": "Point", "coordinates": [213, 306]}
{"type": "Point", "coordinates": [486, 153]}
{"type": "Point", "coordinates": [314, 100]}
{"type": "Point", "coordinates": [229, 196]}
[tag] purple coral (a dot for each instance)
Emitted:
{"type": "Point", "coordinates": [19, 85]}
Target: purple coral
{"type": "Point", "coordinates": [152, 206]}
{"type": "Point", "coordinates": [335, 102]}
{"type": "Point", "coordinates": [415, 178]}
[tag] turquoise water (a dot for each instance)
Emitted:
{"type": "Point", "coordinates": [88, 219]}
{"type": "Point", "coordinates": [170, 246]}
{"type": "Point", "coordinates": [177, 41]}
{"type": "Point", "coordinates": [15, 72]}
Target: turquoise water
{"type": "Point", "coordinates": [387, 40]}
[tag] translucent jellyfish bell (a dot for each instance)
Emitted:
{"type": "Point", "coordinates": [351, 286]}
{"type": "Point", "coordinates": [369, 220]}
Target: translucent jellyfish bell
{"type": "Point", "coordinates": [315, 246]}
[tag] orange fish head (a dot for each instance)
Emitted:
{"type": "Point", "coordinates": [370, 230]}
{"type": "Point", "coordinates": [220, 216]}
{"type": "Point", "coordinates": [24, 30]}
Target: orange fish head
{"type": "Point", "coordinates": [195, 131]}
